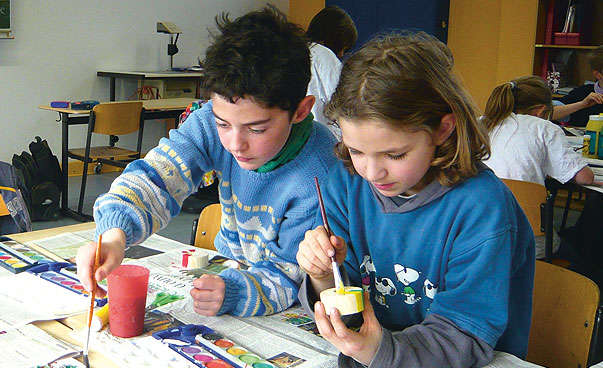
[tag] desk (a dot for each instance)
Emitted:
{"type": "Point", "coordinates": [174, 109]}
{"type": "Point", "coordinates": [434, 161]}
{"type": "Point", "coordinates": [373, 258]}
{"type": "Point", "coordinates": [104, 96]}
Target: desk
{"type": "Point", "coordinates": [62, 328]}
{"type": "Point", "coordinates": [152, 109]}
{"type": "Point", "coordinates": [150, 75]}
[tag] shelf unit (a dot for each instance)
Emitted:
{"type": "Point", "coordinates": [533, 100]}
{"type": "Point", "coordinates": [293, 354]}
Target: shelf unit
{"type": "Point", "coordinates": [578, 69]}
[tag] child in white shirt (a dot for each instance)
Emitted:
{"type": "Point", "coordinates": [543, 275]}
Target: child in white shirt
{"type": "Point", "coordinates": [524, 145]}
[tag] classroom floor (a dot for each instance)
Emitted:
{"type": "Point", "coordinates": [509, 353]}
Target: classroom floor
{"type": "Point", "coordinates": [180, 227]}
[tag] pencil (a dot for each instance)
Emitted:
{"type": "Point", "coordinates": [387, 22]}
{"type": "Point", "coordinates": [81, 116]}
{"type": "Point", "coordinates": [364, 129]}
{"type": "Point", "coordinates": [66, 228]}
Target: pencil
{"type": "Point", "coordinates": [92, 298]}
{"type": "Point", "coordinates": [323, 212]}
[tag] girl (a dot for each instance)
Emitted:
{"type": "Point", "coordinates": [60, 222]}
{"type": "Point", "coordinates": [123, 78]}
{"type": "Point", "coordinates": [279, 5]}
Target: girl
{"type": "Point", "coordinates": [524, 144]}
{"type": "Point", "coordinates": [441, 247]}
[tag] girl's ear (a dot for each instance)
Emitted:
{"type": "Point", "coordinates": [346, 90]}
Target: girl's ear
{"type": "Point", "coordinates": [538, 111]}
{"type": "Point", "coordinates": [303, 109]}
{"type": "Point", "coordinates": [447, 126]}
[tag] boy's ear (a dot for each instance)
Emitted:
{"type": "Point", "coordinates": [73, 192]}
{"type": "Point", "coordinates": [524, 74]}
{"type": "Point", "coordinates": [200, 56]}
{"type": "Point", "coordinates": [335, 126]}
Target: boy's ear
{"type": "Point", "coordinates": [303, 109]}
{"type": "Point", "coordinates": [447, 126]}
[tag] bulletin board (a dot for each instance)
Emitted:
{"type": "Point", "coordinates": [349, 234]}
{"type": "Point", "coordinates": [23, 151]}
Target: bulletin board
{"type": "Point", "coordinates": [4, 17]}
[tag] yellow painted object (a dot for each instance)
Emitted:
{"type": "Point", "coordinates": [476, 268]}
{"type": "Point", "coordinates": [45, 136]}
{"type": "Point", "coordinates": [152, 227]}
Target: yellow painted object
{"type": "Point", "coordinates": [100, 318]}
{"type": "Point", "coordinates": [594, 129]}
{"type": "Point", "coordinates": [350, 302]}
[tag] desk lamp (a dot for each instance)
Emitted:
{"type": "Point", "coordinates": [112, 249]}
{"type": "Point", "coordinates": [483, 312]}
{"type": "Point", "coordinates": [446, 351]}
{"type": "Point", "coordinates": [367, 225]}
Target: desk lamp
{"type": "Point", "coordinates": [171, 29]}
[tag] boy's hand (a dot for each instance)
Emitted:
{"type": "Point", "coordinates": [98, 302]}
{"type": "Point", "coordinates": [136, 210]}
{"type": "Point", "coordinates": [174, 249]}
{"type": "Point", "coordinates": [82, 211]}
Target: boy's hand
{"type": "Point", "coordinates": [361, 345]}
{"type": "Point", "coordinates": [208, 294]}
{"type": "Point", "coordinates": [592, 99]}
{"type": "Point", "coordinates": [313, 255]}
{"type": "Point", "coordinates": [112, 253]}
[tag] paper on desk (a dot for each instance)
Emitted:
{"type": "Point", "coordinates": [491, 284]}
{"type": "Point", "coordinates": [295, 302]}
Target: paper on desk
{"type": "Point", "coordinates": [29, 346]}
{"type": "Point", "coordinates": [27, 298]}
{"type": "Point", "coordinates": [65, 245]}
{"type": "Point", "coordinates": [506, 360]}
{"type": "Point", "coordinates": [142, 351]}
{"type": "Point", "coordinates": [254, 336]}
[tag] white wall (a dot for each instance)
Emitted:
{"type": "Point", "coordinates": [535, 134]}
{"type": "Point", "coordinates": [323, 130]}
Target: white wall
{"type": "Point", "coordinates": [59, 45]}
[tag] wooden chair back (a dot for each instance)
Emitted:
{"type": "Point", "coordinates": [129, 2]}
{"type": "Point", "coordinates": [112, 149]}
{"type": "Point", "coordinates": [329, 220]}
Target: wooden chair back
{"type": "Point", "coordinates": [530, 196]}
{"type": "Point", "coordinates": [563, 316]}
{"type": "Point", "coordinates": [117, 118]}
{"type": "Point", "coordinates": [208, 226]}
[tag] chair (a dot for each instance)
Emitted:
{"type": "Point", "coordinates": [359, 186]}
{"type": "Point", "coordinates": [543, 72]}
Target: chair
{"type": "Point", "coordinates": [112, 119]}
{"type": "Point", "coordinates": [563, 317]}
{"type": "Point", "coordinates": [207, 226]}
{"type": "Point", "coordinates": [537, 203]}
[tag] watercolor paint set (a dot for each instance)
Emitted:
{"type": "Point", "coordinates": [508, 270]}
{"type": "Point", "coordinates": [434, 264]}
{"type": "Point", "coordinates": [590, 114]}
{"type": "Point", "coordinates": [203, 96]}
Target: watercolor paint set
{"type": "Point", "coordinates": [208, 349]}
{"type": "Point", "coordinates": [17, 257]}
{"type": "Point", "coordinates": [56, 272]}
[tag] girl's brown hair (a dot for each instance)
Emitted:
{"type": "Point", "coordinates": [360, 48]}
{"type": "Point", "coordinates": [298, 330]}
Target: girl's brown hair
{"type": "Point", "coordinates": [521, 96]}
{"type": "Point", "coordinates": [406, 81]}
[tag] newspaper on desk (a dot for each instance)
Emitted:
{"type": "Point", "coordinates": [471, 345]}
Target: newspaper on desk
{"type": "Point", "coordinates": [27, 298]}
{"type": "Point", "coordinates": [290, 333]}
{"type": "Point", "coordinates": [29, 346]}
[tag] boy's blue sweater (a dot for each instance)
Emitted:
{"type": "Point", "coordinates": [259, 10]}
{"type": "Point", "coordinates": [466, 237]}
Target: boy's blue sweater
{"type": "Point", "coordinates": [264, 215]}
{"type": "Point", "coordinates": [467, 256]}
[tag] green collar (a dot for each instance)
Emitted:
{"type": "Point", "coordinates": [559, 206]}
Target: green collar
{"type": "Point", "coordinates": [300, 132]}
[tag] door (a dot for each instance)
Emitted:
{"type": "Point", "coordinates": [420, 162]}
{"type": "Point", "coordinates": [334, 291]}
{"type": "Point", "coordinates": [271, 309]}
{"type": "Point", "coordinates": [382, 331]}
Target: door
{"type": "Point", "coordinates": [378, 16]}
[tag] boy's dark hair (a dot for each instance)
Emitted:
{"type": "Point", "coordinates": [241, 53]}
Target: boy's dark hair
{"type": "Point", "coordinates": [260, 56]}
{"type": "Point", "coordinates": [334, 28]}
{"type": "Point", "coordinates": [596, 59]}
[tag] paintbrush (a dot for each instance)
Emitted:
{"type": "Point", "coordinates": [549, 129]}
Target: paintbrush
{"type": "Point", "coordinates": [338, 281]}
{"type": "Point", "coordinates": [92, 298]}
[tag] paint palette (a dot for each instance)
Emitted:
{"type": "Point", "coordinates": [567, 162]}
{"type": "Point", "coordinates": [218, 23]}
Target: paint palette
{"type": "Point", "coordinates": [17, 257]}
{"type": "Point", "coordinates": [52, 272]}
{"type": "Point", "coordinates": [208, 349]}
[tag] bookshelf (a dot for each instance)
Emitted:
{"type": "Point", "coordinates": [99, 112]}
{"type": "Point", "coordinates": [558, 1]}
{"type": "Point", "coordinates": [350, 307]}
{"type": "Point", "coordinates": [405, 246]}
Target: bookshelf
{"type": "Point", "coordinates": [570, 60]}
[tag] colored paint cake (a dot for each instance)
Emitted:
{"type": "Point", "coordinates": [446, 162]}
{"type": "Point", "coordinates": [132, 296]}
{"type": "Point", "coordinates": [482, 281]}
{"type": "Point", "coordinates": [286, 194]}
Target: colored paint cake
{"type": "Point", "coordinates": [51, 272]}
{"type": "Point", "coordinates": [17, 257]}
{"type": "Point", "coordinates": [208, 349]}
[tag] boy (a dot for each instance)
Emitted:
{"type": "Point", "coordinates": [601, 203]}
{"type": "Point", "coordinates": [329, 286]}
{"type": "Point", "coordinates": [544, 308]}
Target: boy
{"type": "Point", "coordinates": [587, 99]}
{"type": "Point", "coordinates": [258, 134]}
{"type": "Point", "coordinates": [331, 32]}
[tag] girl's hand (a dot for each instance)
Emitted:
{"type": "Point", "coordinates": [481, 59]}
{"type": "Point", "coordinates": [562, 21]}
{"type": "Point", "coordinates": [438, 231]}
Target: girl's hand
{"type": "Point", "coordinates": [592, 99]}
{"type": "Point", "coordinates": [361, 345]}
{"type": "Point", "coordinates": [112, 253]}
{"type": "Point", "coordinates": [313, 255]}
{"type": "Point", "coordinates": [208, 294]}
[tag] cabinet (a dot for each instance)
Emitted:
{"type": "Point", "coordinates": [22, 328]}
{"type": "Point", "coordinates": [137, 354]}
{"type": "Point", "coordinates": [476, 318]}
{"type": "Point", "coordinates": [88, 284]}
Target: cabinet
{"type": "Point", "coordinates": [492, 41]}
{"type": "Point", "coordinates": [570, 60]}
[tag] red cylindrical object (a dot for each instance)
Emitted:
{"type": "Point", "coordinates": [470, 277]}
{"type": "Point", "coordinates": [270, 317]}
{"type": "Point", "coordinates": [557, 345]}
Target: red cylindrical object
{"type": "Point", "coordinates": [128, 285]}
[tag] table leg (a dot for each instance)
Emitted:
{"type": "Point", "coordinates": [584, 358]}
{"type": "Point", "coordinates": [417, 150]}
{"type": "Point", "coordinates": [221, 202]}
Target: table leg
{"type": "Point", "coordinates": [65, 210]}
{"type": "Point", "coordinates": [64, 159]}
{"type": "Point", "coordinates": [112, 89]}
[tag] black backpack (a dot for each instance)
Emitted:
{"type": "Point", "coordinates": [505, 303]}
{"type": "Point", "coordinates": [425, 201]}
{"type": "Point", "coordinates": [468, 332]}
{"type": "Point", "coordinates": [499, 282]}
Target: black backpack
{"type": "Point", "coordinates": [48, 164]}
{"type": "Point", "coordinates": [42, 178]}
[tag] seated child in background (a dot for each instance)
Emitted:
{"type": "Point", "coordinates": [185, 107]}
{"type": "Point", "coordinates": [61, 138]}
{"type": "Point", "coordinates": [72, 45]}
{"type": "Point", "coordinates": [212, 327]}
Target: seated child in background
{"type": "Point", "coordinates": [257, 133]}
{"type": "Point", "coordinates": [524, 146]}
{"type": "Point", "coordinates": [585, 100]}
{"type": "Point", "coordinates": [331, 32]}
{"type": "Point", "coordinates": [441, 247]}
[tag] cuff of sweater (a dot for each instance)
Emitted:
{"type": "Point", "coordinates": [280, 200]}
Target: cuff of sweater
{"type": "Point", "coordinates": [231, 296]}
{"type": "Point", "coordinates": [115, 220]}
{"type": "Point", "coordinates": [385, 351]}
